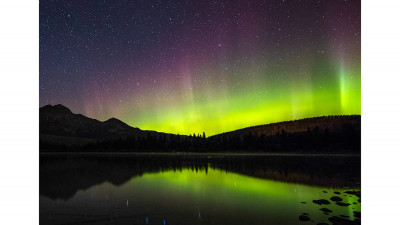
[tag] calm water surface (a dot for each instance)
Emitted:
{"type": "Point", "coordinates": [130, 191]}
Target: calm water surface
{"type": "Point", "coordinates": [195, 190]}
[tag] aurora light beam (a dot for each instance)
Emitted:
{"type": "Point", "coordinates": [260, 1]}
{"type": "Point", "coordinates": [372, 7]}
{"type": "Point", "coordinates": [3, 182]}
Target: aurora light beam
{"type": "Point", "coordinates": [192, 66]}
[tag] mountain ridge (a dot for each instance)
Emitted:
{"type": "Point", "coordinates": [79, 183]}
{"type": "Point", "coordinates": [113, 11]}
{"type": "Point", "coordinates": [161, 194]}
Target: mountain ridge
{"type": "Point", "coordinates": [61, 121]}
{"type": "Point", "coordinates": [59, 126]}
{"type": "Point", "coordinates": [282, 124]}
{"type": "Point", "coordinates": [299, 125]}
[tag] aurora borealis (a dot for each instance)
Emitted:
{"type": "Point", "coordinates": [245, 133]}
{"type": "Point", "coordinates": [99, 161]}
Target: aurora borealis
{"type": "Point", "coordinates": [192, 66]}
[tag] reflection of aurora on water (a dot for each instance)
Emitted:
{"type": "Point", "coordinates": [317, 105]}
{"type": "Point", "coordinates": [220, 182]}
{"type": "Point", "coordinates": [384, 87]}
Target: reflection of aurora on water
{"type": "Point", "coordinates": [180, 197]}
{"type": "Point", "coordinates": [86, 171]}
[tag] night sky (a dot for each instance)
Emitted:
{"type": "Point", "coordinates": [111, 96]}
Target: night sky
{"type": "Point", "coordinates": [192, 66]}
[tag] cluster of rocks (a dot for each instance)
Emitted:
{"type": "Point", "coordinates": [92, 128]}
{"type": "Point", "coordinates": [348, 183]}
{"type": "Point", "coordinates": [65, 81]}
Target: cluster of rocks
{"type": "Point", "coordinates": [336, 220]}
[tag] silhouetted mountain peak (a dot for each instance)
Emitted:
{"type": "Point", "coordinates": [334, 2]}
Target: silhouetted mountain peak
{"type": "Point", "coordinates": [58, 120]}
{"type": "Point", "coordinates": [55, 109]}
{"type": "Point", "coordinates": [114, 121]}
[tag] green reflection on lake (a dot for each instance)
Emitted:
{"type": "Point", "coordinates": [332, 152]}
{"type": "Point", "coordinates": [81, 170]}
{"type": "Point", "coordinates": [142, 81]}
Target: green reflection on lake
{"type": "Point", "coordinates": [204, 196]}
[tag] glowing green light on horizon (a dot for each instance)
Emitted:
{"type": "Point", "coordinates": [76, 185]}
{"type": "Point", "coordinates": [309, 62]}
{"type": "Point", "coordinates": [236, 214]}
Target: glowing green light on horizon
{"type": "Point", "coordinates": [267, 96]}
{"type": "Point", "coordinates": [254, 109]}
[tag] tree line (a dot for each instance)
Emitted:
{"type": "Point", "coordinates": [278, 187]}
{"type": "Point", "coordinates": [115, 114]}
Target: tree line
{"type": "Point", "coordinates": [313, 140]}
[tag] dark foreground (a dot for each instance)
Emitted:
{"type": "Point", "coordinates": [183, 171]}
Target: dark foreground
{"type": "Point", "coordinates": [199, 189]}
{"type": "Point", "coordinates": [63, 131]}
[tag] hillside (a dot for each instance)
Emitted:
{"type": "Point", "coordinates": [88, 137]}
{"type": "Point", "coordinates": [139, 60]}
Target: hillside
{"type": "Point", "coordinates": [333, 123]}
{"type": "Point", "coordinates": [327, 134]}
{"type": "Point", "coordinates": [60, 121]}
{"type": "Point", "coordinates": [58, 126]}
{"type": "Point", "coordinates": [61, 130]}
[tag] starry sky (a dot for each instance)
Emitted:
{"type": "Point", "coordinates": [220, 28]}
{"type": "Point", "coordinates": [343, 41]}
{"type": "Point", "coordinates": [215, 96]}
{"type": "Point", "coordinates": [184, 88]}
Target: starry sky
{"type": "Point", "coordinates": [188, 66]}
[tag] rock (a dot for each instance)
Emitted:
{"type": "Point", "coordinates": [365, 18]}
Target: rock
{"type": "Point", "coordinates": [335, 219]}
{"type": "Point", "coordinates": [356, 193]}
{"type": "Point", "coordinates": [326, 210]}
{"type": "Point", "coordinates": [304, 218]}
{"type": "Point", "coordinates": [342, 204]}
{"type": "Point", "coordinates": [342, 221]}
{"type": "Point", "coordinates": [321, 202]}
{"type": "Point", "coordinates": [336, 198]}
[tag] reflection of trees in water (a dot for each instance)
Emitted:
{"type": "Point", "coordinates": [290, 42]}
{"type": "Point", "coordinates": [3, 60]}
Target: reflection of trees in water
{"type": "Point", "coordinates": [62, 176]}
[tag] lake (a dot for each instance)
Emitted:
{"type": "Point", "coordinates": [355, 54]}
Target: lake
{"type": "Point", "coordinates": [199, 189]}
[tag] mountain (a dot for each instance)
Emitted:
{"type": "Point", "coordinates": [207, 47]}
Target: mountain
{"type": "Point", "coordinates": [332, 123]}
{"type": "Point", "coordinates": [326, 134]}
{"type": "Point", "coordinates": [58, 120]}
{"type": "Point", "coordinates": [61, 130]}
{"type": "Point", "coordinates": [58, 126]}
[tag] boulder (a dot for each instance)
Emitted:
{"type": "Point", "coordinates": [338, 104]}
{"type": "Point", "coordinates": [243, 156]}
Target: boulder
{"type": "Point", "coordinates": [326, 210]}
{"type": "Point", "coordinates": [321, 202]}
{"type": "Point", "coordinates": [304, 218]}
{"type": "Point", "coordinates": [342, 204]}
{"type": "Point", "coordinates": [336, 198]}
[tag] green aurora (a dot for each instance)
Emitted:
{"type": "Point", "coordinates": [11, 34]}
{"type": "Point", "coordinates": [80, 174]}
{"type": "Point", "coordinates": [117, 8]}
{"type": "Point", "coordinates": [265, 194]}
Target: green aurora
{"type": "Point", "coordinates": [255, 103]}
{"type": "Point", "coordinates": [203, 66]}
